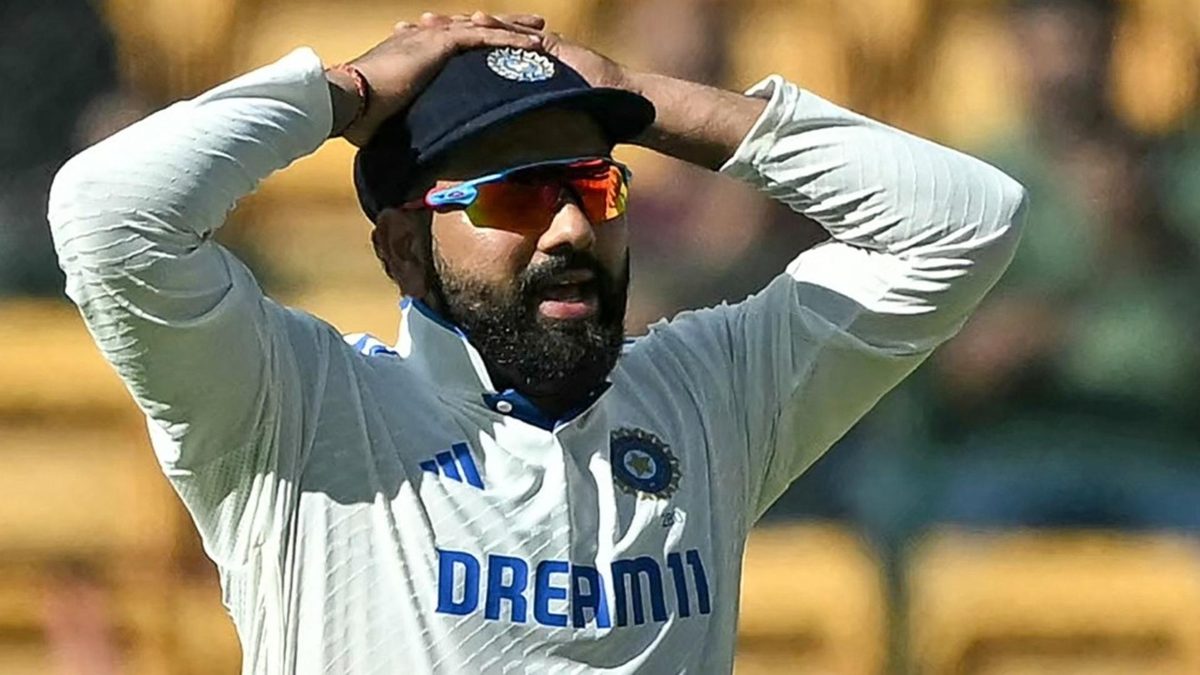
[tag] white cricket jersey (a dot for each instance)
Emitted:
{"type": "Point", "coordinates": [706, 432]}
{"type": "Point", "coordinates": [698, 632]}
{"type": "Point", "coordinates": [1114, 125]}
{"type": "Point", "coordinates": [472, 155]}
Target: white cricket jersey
{"type": "Point", "coordinates": [383, 509]}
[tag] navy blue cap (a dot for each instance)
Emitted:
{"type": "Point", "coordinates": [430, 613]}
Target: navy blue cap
{"type": "Point", "coordinates": [475, 91]}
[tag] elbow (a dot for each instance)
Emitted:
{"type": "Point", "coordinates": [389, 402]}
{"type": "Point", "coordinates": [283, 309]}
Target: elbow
{"type": "Point", "coordinates": [70, 190]}
{"type": "Point", "coordinates": [999, 232]}
{"type": "Point", "coordinates": [1013, 205]}
{"type": "Point", "coordinates": [87, 185]}
{"type": "Point", "coordinates": [1014, 200]}
{"type": "Point", "coordinates": [998, 224]}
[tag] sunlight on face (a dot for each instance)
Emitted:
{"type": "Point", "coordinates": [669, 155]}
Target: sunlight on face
{"type": "Point", "coordinates": [498, 256]}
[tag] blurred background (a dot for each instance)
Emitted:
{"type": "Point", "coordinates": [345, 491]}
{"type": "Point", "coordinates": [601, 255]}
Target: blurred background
{"type": "Point", "coordinates": [1027, 503]}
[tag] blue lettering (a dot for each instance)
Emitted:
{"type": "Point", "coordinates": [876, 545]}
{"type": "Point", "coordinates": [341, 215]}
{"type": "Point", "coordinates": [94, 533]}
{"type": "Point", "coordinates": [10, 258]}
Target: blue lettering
{"type": "Point", "coordinates": [543, 593]}
{"type": "Point", "coordinates": [447, 562]}
{"type": "Point", "coordinates": [508, 579]}
{"type": "Point", "coordinates": [702, 600]}
{"type": "Point", "coordinates": [633, 571]}
{"type": "Point", "coordinates": [675, 563]}
{"type": "Point", "coordinates": [512, 591]}
{"type": "Point", "coordinates": [593, 598]}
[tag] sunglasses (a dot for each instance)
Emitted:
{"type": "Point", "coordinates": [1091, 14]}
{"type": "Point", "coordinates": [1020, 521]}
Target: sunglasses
{"type": "Point", "coordinates": [526, 198]}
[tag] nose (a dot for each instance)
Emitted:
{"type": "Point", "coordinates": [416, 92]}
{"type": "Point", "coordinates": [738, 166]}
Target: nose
{"type": "Point", "coordinates": [570, 227]}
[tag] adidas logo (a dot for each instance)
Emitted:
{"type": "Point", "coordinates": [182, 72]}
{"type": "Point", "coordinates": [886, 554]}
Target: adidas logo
{"type": "Point", "coordinates": [456, 464]}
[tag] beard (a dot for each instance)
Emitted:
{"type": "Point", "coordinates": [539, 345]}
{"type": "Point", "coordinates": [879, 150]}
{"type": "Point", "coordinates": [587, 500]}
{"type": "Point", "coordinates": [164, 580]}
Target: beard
{"type": "Point", "coordinates": [536, 355]}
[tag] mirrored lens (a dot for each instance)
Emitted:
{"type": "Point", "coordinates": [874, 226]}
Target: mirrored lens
{"type": "Point", "coordinates": [603, 197]}
{"type": "Point", "coordinates": [515, 206]}
{"type": "Point", "coordinates": [528, 201]}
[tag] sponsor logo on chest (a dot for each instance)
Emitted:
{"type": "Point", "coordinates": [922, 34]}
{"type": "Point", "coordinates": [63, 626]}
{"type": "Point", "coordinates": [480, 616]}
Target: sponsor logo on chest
{"type": "Point", "coordinates": [560, 593]}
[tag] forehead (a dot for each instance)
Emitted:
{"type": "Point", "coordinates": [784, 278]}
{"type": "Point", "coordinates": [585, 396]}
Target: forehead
{"type": "Point", "coordinates": [534, 137]}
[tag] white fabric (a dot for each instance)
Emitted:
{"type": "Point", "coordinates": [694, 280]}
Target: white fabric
{"type": "Point", "coordinates": [299, 454]}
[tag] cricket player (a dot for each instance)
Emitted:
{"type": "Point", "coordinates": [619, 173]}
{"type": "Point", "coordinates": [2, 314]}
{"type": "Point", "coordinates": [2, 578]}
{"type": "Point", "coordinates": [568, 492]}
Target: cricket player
{"type": "Point", "coordinates": [512, 486]}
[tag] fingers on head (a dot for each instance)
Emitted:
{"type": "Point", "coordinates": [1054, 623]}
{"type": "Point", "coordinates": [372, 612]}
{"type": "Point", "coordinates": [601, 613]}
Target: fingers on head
{"type": "Point", "coordinates": [527, 20]}
{"type": "Point", "coordinates": [521, 23]}
{"type": "Point", "coordinates": [464, 31]}
{"type": "Point", "coordinates": [479, 36]}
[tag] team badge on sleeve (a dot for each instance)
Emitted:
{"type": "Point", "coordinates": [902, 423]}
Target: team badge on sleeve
{"type": "Point", "coordinates": [642, 464]}
{"type": "Point", "coordinates": [520, 65]}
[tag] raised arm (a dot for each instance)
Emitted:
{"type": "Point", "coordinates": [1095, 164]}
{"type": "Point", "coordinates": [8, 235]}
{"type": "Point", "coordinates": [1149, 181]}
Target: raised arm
{"type": "Point", "coordinates": [231, 380]}
{"type": "Point", "coordinates": [182, 320]}
{"type": "Point", "coordinates": [918, 233]}
{"type": "Point", "coordinates": [215, 365]}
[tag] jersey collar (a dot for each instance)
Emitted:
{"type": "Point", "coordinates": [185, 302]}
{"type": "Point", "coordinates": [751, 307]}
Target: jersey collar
{"type": "Point", "coordinates": [441, 349]}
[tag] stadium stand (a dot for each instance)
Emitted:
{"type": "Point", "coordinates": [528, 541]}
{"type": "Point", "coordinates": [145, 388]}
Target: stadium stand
{"type": "Point", "coordinates": [88, 528]}
{"type": "Point", "coordinates": [812, 602]}
{"type": "Point", "coordinates": [1038, 603]}
{"type": "Point", "coordinates": [84, 511]}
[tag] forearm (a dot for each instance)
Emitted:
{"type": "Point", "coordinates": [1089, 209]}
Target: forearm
{"type": "Point", "coordinates": [694, 122]}
{"type": "Point", "coordinates": [345, 100]}
{"type": "Point", "coordinates": [182, 321]}
{"type": "Point", "coordinates": [920, 231]}
{"type": "Point", "coordinates": [180, 170]}
{"type": "Point", "coordinates": [870, 185]}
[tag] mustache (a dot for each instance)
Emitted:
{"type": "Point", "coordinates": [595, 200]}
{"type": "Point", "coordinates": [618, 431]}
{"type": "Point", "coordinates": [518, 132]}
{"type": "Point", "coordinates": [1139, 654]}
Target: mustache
{"type": "Point", "coordinates": [540, 277]}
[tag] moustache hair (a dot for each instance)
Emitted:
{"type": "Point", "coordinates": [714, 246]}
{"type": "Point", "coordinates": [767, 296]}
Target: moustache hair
{"type": "Point", "coordinates": [542, 275]}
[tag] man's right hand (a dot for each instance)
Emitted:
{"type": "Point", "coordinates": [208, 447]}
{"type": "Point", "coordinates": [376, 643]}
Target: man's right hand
{"type": "Point", "coordinates": [398, 68]}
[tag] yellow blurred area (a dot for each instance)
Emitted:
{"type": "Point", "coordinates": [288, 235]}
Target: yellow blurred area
{"type": "Point", "coordinates": [1062, 604]}
{"type": "Point", "coordinates": [87, 520]}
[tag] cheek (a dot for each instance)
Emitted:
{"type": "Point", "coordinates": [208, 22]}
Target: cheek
{"type": "Point", "coordinates": [612, 245]}
{"type": "Point", "coordinates": [492, 256]}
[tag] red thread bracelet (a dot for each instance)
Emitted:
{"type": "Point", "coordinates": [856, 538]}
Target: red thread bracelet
{"type": "Point", "coordinates": [361, 87]}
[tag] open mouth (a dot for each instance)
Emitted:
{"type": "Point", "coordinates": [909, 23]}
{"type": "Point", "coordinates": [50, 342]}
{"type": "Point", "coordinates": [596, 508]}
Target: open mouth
{"type": "Point", "coordinates": [572, 295]}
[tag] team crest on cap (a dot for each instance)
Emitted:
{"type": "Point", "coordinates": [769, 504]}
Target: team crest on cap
{"type": "Point", "coordinates": [520, 65]}
{"type": "Point", "coordinates": [643, 464]}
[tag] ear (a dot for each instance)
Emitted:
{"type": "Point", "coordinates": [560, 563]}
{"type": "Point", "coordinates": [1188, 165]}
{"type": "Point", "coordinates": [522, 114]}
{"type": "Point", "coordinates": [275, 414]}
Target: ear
{"type": "Point", "coordinates": [401, 241]}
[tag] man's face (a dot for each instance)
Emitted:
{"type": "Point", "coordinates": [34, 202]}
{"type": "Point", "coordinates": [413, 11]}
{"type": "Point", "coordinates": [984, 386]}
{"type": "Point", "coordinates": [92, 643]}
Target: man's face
{"type": "Point", "coordinates": [545, 308]}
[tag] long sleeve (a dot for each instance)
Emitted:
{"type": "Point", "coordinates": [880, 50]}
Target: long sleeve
{"type": "Point", "coordinates": [214, 364]}
{"type": "Point", "coordinates": [919, 233]}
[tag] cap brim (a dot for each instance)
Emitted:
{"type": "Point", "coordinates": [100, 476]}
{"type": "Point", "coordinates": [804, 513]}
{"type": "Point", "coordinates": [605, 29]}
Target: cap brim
{"type": "Point", "coordinates": [621, 114]}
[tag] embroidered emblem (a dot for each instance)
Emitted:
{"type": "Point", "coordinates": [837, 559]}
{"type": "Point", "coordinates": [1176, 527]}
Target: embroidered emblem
{"type": "Point", "coordinates": [520, 65]}
{"type": "Point", "coordinates": [642, 464]}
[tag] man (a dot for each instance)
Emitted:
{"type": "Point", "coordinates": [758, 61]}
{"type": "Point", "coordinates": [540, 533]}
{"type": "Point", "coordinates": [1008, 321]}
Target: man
{"type": "Point", "coordinates": [511, 487]}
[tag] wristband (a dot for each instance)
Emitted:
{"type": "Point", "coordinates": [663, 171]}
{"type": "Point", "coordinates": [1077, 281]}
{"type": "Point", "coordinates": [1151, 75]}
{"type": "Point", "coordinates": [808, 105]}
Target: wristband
{"type": "Point", "coordinates": [361, 87]}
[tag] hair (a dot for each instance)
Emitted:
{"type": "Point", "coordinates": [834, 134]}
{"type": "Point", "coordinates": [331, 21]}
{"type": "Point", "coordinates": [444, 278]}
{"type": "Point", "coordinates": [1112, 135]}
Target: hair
{"type": "Point", "coordinates": [414, 187]}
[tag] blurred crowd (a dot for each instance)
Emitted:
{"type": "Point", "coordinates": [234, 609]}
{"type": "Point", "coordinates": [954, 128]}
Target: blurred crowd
{"type": "Point", "coordinates": [1069, 400]}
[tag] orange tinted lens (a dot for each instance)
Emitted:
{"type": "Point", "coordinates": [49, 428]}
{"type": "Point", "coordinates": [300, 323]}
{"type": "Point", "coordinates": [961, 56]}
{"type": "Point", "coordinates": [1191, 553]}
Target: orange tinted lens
{"type": "Point", "coordinates": [521, 207]}
{"type": "Point", "coordinates": [602, 195]}
{"type": "Point", "coordinates": [529, 204]}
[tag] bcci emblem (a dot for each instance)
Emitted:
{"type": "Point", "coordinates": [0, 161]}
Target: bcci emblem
{"type": "Point", "coordinates": [520, 65]}
{"type": "Point", "coordinates": [642, 464]}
